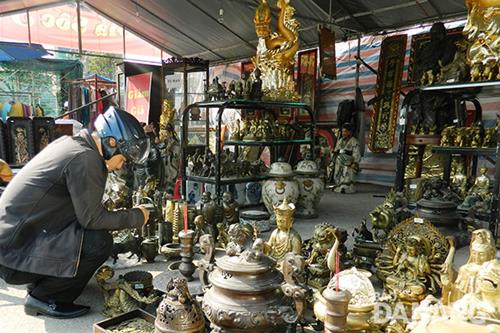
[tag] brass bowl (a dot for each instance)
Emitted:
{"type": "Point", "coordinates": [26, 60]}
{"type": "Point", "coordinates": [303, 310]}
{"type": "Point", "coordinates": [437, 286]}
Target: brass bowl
{"type": "Point", "coordinates": [171, 250]}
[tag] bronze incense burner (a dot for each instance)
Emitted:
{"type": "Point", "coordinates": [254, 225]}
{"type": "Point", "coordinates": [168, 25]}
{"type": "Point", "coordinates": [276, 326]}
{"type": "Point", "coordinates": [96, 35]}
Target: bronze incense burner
{"type": "Point", "coordinates": [244, 292]}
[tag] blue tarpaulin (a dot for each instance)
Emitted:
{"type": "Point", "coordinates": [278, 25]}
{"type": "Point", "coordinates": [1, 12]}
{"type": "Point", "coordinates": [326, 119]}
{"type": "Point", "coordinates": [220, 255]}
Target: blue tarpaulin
{"type": "Point", "coordinates": [21, 51]}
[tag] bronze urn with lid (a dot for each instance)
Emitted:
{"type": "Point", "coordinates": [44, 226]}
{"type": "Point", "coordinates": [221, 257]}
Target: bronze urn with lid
{"type": "Point", "coordinates": [245, 292]}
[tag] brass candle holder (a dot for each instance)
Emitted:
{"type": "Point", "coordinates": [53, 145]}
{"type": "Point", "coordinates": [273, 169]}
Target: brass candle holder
{"type": "Point", "coordinates": [186, 266]}
{"type": "Point", "coordinates": [336, 309]}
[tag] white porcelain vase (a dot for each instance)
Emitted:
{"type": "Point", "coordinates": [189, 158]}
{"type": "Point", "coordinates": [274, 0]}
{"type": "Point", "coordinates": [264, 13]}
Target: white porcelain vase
{"type": "Point", "coordinates": [280, 186]}
{"type": "Point", "coordinates": [311, 188]}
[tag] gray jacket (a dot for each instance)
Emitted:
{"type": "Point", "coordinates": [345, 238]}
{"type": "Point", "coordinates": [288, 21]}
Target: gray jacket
{"type": "Point", "coordinates": [46, 207]}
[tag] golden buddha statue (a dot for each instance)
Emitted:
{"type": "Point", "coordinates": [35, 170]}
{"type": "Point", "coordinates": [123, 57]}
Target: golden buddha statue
{"type": "Point", "coordinates": [480, 191]}
{"type": "Point", "coordinates": [411, 268]}
{"type": "Point", "coordinates": [412, 260]}
{"type": "Point", "coordinates": [459, 181]}
{"type": "Point", "coordinates": [284, 238]}
{"type": "Point", "coordinates": [482, 249]}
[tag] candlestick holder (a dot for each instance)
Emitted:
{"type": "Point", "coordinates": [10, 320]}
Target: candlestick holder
{"type": "Point", "coordinates": [186, 266]}
{"type": "Point", "coordinates": [337, 303]}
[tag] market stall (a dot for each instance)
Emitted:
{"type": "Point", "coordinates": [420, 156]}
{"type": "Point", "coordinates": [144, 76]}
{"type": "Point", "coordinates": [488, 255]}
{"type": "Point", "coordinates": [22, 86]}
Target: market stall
{"type": "Point", "coordinates": [243, 182]}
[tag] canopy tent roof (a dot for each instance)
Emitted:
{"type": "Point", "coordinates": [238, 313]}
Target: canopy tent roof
{"type": "Point", "coordinates": [20, 51]}
{"type": "Point", "coordinates": [222, 30]}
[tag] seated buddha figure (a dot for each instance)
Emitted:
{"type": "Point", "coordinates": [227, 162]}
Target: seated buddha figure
{"type": "Point", "coordinates": [480, 191]}
{"type": "Point", "coordinates": [411, 271]}
{"type": "Point", "coordinates": [284, 238]}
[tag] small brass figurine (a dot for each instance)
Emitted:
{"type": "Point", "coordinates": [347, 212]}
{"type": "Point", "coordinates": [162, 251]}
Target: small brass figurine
{"type": "Point", "coordinates": [459, 181]}
{"type": "Point", "coordinates": [240, 238]}
{"type": "Point", "coordinates": [479, 192]}
{"type": "Point", "coordinates": [209, 209]}
{"type": "Point", "coordinates": [201, 228]}
{"type": "Point", "coordinates": [120, 296]}
{"type": "Point", "coordinates": [231, 208]}
{"type": "Point", "coordinates": [477, 133]}
{"type": "Point", "coordinates": [284, 239]}
{"type": "Point", "coordinates": [222, 237]}
{"type": "Point", "coordinates": [448, 136]}
{"type": "Point", "coordinates": [490, 138]}
{"type": "Point", "coordinates": [322, 241]}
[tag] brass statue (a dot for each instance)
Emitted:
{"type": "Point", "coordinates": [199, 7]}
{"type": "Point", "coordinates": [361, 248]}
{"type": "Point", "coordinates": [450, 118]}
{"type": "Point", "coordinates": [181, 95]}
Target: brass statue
{"type": "Point", "coordinates": [482, 249]}
{"type": "Point", "coordinates": [239, 238]}
{"type": "Point", "coordinates": [322, 241]}
{"type": "Point", "coordinates": [222, 237]}
{"type": "Point", "coordinates": [120, 296]}
{"type": "Point", "coordinates": [482, 31]}
{"type": "Point", "coordinates": [479, 192]}
{"type": "Point", "coordinates": [461, 137]}
{"type": "Point", "coordinates": [275, 56]}
{"type": "Point", "coordinates": [231, 208]}
{"type": "Point", "coordinates": [209, 209]}
{"type": "Point", "coordinates": [485, 301]}
{"type": "Point", "coordinates": [477, 312]}
{"type": "Point", "coordinates": [477, 133]}
{"type": "Point", "coordinates": [201, 228]}
{"type": "Point", "coordinates": [448, 136]}
{"type": "Point", "coordinates": [458, 69]}
{"type": "Point", "coordinates": [411, 262]}
{"type": "Point", "coordinates": [459, 181]}
{"type": "Point", "coordinates": [490, 138]}
{"type": "Point", "coordinates": [284, 238]}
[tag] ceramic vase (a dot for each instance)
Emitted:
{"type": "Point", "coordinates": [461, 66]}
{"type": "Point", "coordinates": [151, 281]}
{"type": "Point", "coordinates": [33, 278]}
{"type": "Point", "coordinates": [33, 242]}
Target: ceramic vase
{"type": "Point", "coordinates": [281, 185]}
{"type": "Point", "coordinates": [311, 188]}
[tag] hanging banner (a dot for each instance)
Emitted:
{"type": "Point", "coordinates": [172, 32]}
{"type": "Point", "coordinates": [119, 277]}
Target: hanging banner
{"type": "Point", "coordinates": [306, 82]}
{"type": "Point", "coordinates": [385, 113]}
{"type": "Point", "coordinates": [327, 62]}
{"type": "Point", "coordinates": [139, 95]}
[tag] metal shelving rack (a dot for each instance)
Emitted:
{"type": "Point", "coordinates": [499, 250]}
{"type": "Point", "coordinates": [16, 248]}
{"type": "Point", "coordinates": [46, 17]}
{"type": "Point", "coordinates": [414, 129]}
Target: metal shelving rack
{"type": "Point", "coordinates": [244, 105]}
{"type": "Point", "coordinates": [457, 90]}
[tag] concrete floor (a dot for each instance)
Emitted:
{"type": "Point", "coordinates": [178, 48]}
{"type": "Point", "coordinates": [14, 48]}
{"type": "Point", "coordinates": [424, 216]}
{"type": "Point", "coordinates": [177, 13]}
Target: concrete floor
{"type": "Point", "coordinates": [343, 210]}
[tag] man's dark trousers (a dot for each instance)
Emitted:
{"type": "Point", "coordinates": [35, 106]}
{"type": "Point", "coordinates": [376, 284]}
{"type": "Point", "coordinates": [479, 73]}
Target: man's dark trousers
{"type": "Point", "coordinates": [96, 248]}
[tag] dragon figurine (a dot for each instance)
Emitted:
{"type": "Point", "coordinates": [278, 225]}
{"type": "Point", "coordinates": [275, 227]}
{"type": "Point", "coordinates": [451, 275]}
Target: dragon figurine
{"type": "Point", "coordinates": [276, 51]}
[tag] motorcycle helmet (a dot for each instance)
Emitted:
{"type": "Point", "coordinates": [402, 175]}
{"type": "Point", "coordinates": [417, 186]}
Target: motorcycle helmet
{"type": "Point", "coordinates": [121, 133]}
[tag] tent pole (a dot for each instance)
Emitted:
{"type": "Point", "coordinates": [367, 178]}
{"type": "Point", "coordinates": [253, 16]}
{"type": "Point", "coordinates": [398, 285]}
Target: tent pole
{"type": "Point", "coordinates": [79, 22]}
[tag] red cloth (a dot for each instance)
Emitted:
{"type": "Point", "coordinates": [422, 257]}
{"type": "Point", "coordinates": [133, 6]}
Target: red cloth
{"type": "Point", "coordinates": [177, 189]}
{"type": "Point", "coordinates": [100, 106]}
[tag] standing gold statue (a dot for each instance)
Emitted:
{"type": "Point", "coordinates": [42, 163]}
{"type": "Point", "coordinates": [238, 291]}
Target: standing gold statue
{"type": "Point", "coordinates": [276, 51]}
{"type": "Point", "coordinates": [284, 239]}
